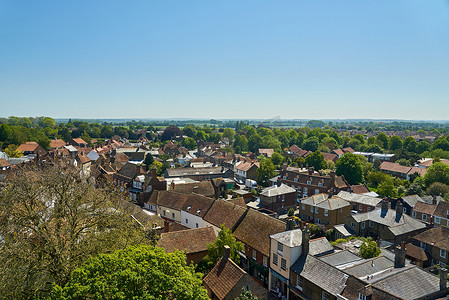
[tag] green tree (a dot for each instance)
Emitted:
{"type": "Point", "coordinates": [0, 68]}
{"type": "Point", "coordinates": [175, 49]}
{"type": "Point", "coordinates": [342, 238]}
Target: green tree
{"type": "Point", "coordinates": [311, 143]}
{"type": "Point", "coordinates": [225, 237]}
{"type": "Point", "coordinates": [383, 139]}
{"type": "Point", "coordinates": [51, 221]}
{"type": "Point", "coordinates": [137, 272]}
{"type": "Point", "coordinates": [189, 143]}
{"type": "Point", "coordinates": [438, 172]}
{"type": "Point", "coordinates": [395, 142]}
{"type": "Point", "coordinates": [387, 189]}
{"type": "Point", "coordinates": [265, 172]}
{"type": "Point", "coordinates": [350, 166]}
{"type": "Point", "coordinates": [242, 142]}
{"type": "Point", "coordinates": [316, 160]}
{"type": "Point", "coordinates": [12, 151]}
{"type": "Point", "coordinates": [369, 249]}
{"type": "Point", "coordinates": [291, 212]}
{"type": "Point", "coordinates": [277, 159]}
{"type": "Point", "coordinates": [148, 160]}
{"type": "Point", "coordinates": [246, 295]}
{"type": "Point", "coordinates": [438, 189]}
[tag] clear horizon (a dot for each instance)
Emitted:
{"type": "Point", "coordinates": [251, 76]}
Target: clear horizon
{"type": "Point", "coordinates": [225, 60]}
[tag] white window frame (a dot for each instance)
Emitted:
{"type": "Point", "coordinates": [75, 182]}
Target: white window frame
{"type": "Point", "coordinates": [265, 261]}
{"type": "Point", "coordinates": [284, 264]}
{"type": "Point", "coordinates": [368, 208]}
{"type": "Point", "coordinates": [254, 254]}
{"type": "Point", "coordinates": [280, 248]}
{"type": "Point", "coordinates": [362, 225]}
{"type": "Point", "coordinates": [404, 210]}
{"type": "Point", "coordinates": [303, 206]}
{"type": "Point", "coordinates": [437, 220]}
{"type": "Point", "coordinates": [275, 259]}
{"type": "Point", "coordinates": [320, 184]}
{"type": "Point", "coordinates": [352, 224]}
{"type": "Point", "coordinates": [326, 212]}
{"type": "Point", "coordinates": [370, 223]}
{"type": "Point", "coordinates": [317, 191]}
{"type": "Point", "coordinates": [311, 208]}
{"type": "Point", "coordinates": [299, 282]}
{"type": "Point", "coordinates": [362, 297]}
{"type": "Point", "coordinates": [443, 253]}
{"type": "Point", "coordinates": [414, 214]}
{"type": "Point", "coordinates": [295, 179]}
{"type": "Point", "coordinates": [424, 217]}
{"type": "Point", "coordinates": [325, 295]}
{"type": "Point", "coordinates": [360, 207]}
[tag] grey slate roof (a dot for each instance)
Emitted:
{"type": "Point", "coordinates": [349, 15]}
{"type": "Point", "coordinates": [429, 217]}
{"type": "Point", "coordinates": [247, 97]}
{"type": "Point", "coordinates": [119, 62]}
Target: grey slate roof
{"type": "Point", "coordinates": [342, 259]}
{"type": "Point", "coordinates": [291, 238]}
{"type": "Point", "coordinates": [276, 190]}
{"type": "Point", "coordinates": [359, 198]}
{"type": "Point", "coordinates": [411, 283]}
{"type": "Point", "coordinates": [320, 246]}
{"type": "Point", "coordinates": [397, 223]}
{"type": "Point", "coordinates": [323, 275]}
{"type": "Point", "coordinates": [412, 199]}
{"type": "Point", "coordinates": [179, 172]}
{"type": "Point", "coordinates": [370, 266]}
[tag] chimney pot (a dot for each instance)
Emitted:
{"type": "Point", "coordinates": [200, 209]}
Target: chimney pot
{"type": "Point", "coordinates": [384, 204]}
{"type": "Point", "coordinates": [311, 170]}
{"type": "Point", "coordinates": [226, 252]}
{"type": "Point", "coordinates": [434, 199]}
{"type": "Point", "coordinates": [443, 278]}
{"type": "Point", "coordinates": [399, 207]}
{"type": "Point", "coordinates": [399, 256]}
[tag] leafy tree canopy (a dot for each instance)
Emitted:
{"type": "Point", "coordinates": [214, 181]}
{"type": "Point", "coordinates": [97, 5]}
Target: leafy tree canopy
{"type": "Point", "coordinates": [350, 166]}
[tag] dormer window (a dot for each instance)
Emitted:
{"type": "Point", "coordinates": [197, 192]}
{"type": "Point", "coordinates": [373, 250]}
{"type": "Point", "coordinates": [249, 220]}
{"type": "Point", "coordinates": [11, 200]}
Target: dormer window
{"type": "Point", "coordinates": [295, 179]}
{"type": "Point", "coordinates": [198, 211]}
{"type": "Point", "coordinates": [284, 177]}
{"type": "Point", "coordinates": [320, 184]}
{"type": "Point", "coordinates": [189, 207]}
{"type": "Point", "coordinates": [309, 182]}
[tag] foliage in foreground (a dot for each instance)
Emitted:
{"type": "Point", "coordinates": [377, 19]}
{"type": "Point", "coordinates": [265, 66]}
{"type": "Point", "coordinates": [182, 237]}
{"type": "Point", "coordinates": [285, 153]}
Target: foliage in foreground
{"type": "Point", "coordinates": [51, 221]}
{"type": "Point", "coordinates": [369, 249]}
{"type": "Point", "coordinates": [137, 272]}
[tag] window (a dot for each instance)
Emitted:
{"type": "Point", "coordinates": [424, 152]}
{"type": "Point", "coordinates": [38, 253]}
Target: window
{"type": "Point", "coordinates": [318, 221]}
{"type": "Point", "coordinates": [362, 297]}
{"type": "Point", "coordinates": [320, 184]}
{"type": "Point", "coordinates": [447, 214]}
{"type": "Point", "coordinates": [196, 225]}
{"type": "Point", "coordinates": [283, 264]}
{"type": "Point", "coordinates": [254, 254]}
{"type": "Point", "coordinates": [275, 259]}
{"type": "Point", "coordinates": [424, 217]}
{"type": "Point", "coordinates": [362, 225]}
{"type": "Point", "coordinates": [299, 189]}
{"type": "Point", "coordinates": [280, 248]}
{"type": "Point", "coordinates": [442, 253]}
{"type": "Point", "coordinates": [316, 210]}
{"type": "Point", "coordinates": [437, 220]}
{"type": "Point", "coordinates": [422, 245]}
{"type": "Point", "coordinates": [303, 207]}
{"type": "Point", "coordinates": [371, 223]}
{"type": "Point", "coordinates": [265, 261]}
{"type": "Point", "coordinates": [295, 180]}
{"type": "Point", "coordinates": [317, 191]}
{"type": "Point", "coordinates": [284, 177]}
{"type": "Point", "coordinates": [404, 210]}
{"type": "Point", "coordinates": [173, 215]}
{"type": "Point", "coordinates": [283, 198]}
{"type": "Point", "coordinates": [299, 283]}
{"type": "Point", "coordinates": [311, 208]}
{"type": "Point", "coordinates": [368, 208]}
{"type": "Point", "coordinates": [306, 190]}
{"type": "Point", "coordinates": [187, 221]}
{"type": "Point", "coordinates": [414, 214]}
{"type": "Point", "coordinates": [324, 296]}
{"type": "Point", "coordinates": [360, 207]}
{"type": "Point", "coordinates": [163, 213]}
{"type": "Point", "coordinates": [326, 212]}
{"type": "Point", "coordinates": [353, 224]}
{"type": "Point", "coordinates": [309, 182]}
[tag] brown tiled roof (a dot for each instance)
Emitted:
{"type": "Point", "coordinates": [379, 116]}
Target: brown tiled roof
{"type": "Point", "coordinates": [224, 212]}
{"type": "Point", "coordinates": [437, 237]}
{"type": "Point", "coordinates": [28, 147]}
{"type": "Point", "coordinates": [175, 226]}
{"type": "Point", "coordinates": [338, 151]}
{"type": "Point", "coordinates": [267, 152]}
{"type": "Point", "coordinates": [197, 205]}
{"type": "Point", "coordinates": [57, 143]}
{"type": "Point", "coordinates": [442, 209]}
{"type": "Point", "coordinates": [329, 156]}
{"type": "Point", "coordinates": [420, 171]}
{"type": "Point", "coordinates": [4, 163]}
{"type": "Point", "coordinates": [190, 241]}
{"type": "Point", "coordinates": [223, 277]}
{"type": "Point", "coordinates": [360, 189]}
{"type": "Point", "coordinates": [83, 159]}
{"type": "Point", "coordinates": [429, 162]}
{"type": "Point", "coordinates": [424, 208]}
{"type": "Point", "coordinates": [238, 201]}
{"type": "Point", "coordinates": [394, 167]}
{"type": "Point", "coordinates": [348, 149]}
{"type": "Point", "coordinates": [171, 199]}
{"type": "Point", "coordinates": [416, 252]}
{"type": "Point", "coordinates": [255, 230]}
{"type": "Point", "coordinates": [204, 188]}
{"type": "Point", "coordinates": [246, 166]}
{"type": "Point", "coordinates": [315, 178]}
{"type": "Point", "coordinates": [294, 149]}
{"type": "Point", "coordinates": [79, 141]}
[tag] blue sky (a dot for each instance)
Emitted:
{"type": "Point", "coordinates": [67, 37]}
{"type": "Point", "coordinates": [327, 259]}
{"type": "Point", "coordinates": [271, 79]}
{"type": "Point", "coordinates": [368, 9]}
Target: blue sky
{"type": "Point", "coordinates": [225, 59]}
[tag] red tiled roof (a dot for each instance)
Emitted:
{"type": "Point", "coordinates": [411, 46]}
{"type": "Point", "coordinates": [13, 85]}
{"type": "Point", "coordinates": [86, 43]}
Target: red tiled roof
{"type": "Point", "coordinates": [79, 141]}
{"type": "Point", "coordinates": [246, 166]}
{"type": "Point", "coordinates": [28, 147]}
{"type": "Point", "coordinates": [57, 144]}
{"type": "Point", "coordinates": [223, 277]}
{"type": "Point", "coordinates": [329, 156]}
{"type": "Point", "coordinates": [437, 237]}
{"type": "Point", "coordinates": [416, 252]}
{"type": "Point", "coordinates": [191, 240]}
{"type": "Point", "coordinates": [424, 208]}
{"type": "Point", "coordinates": [4, 163]}
{"type": "Point", "coordinates": [360, 189]}
{"type": "Point", "coordinates": [394, 167]}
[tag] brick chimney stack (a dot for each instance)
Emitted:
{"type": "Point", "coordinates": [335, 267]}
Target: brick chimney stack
{"type": "Point", "coordinates": [443, 278]}
{"type": "Point", "coordinates": [153, 173]}
{"type": "Point", "coordinates": [399, 256]}
{"type": "Point", "coordinates": [384, 204]}
{"type": "Point", "coordinates": [399, 207]}
{"type": "Point", "coordinates": [311, 170]}
{"type": "Point", "coordinates": [305, 239]}
{"type": "Point", "coordinates": [226, 252]}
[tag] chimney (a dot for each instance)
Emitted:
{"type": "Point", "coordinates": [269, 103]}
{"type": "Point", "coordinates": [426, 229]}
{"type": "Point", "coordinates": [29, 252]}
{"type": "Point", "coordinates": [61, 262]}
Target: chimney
{"type": "Point", "coordinates": [311, 170]}
{"type": "Point", "coordinates": [443, 278]}
{"type": "Point", "coordinates": [384, 204]}
{"type": "Point", "coordinates": [226, 252]}
{"type": "Point", "coordinates": [399, 207]}
{"type": "Point", "coordinates": [172, 185]}
{"type": "Point", "coordinates": [434, 199]}
{"type": "Point", "coordinates": [332, 175]}
{"type": "Point", "coordinates": [399, 256]}
{"type": "Point", "coordinates": [305, 239]}
{"type": "Point", "coordinates": [378, 242]}
{"type": "Point", "coordinates": [431, 220]}
{"type": "Point", "coordinates": [284, 167]}
{"type": "Point", "coordinates": [166, 226]}
{"type": "Point", "coordinates": [290, 224]}
{"type": "Point", "coordinates": [153, 173]}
